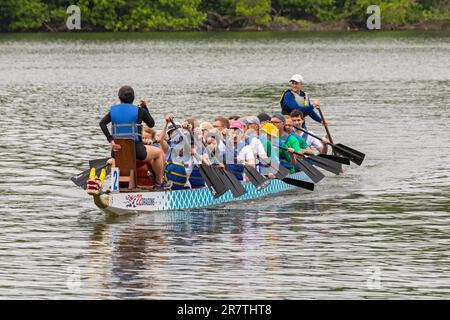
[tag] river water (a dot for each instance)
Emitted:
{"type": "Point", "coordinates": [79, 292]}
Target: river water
{"type": "Point", "coordinates": [381, 230]}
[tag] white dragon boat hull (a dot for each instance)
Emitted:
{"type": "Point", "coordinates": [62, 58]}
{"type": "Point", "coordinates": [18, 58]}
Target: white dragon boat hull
{"type": "Point", "coordinates": [135, 202]}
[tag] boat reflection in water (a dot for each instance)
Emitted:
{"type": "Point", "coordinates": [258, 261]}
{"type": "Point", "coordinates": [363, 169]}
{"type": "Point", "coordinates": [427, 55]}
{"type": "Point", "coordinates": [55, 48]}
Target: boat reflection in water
{"type": "Point", "coordinates": [199, 254]}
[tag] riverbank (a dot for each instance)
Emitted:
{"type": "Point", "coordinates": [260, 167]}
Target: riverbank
{"type": "Point", "coordinates": [303, 25]}
{"type": "Point", "coordinates": [297, 26]}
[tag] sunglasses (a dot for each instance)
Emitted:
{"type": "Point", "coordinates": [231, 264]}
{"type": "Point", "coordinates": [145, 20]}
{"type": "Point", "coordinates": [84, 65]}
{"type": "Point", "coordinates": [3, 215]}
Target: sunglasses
{"type": "Point", "coordinates": [275, 122]}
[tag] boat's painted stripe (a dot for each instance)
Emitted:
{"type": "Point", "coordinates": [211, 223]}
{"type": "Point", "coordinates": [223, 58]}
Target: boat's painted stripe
{"type": "Point", "coordinates": [190, 198]}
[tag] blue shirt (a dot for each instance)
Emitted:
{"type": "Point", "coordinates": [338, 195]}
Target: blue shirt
{"type": "Point", "coordinates": [291, 103]}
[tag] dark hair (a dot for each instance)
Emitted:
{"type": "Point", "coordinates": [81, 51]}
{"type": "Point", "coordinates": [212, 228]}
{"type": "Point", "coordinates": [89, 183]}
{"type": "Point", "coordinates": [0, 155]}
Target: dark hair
{"type": "Point", "coordinates": [233, 118]}
{"type": "Point", "coordinates": [225, 122]}
{"type": "Point", "coordinates": [263, 117]}
{"type": "Point", "coordinates": [297, 113]}
{"type": "Point", "coordinates": [126, 94]}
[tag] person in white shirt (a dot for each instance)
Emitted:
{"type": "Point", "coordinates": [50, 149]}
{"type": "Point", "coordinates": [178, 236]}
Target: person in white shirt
{"type": "Point", "coordinates": [238, 153]}
{"type": "Point", "coordinates": [298, 118]}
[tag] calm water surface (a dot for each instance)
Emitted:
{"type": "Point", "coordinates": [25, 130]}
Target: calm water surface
{"type": "Point", "coordinates": [381, 230]}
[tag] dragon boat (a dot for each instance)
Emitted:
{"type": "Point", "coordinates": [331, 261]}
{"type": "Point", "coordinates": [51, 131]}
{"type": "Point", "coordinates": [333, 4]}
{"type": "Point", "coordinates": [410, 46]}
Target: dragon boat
{"type": "Point", "coordinates": [120, 203]}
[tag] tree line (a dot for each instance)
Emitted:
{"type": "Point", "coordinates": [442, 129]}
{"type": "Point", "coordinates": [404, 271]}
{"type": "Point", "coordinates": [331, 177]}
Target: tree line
{"type": "Point", "coordinates": [178, 15]}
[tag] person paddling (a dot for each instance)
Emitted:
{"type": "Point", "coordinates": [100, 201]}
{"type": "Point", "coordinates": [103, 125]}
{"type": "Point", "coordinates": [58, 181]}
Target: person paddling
{"type": "Point", "coordinates": [287, 141]}
{"type": "Point", "coordinates": [126, 119]}
{"type": "Point", "coordinates": [297, 99]}
{"type": "Point", "coordinates": [298, 119]}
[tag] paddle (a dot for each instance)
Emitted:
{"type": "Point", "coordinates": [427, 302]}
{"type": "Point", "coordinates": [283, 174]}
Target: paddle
{"type": "Point", "coordinates": [323, 163]}
{"type": "Point", "coordinates": [209, 173]}
{"type": "Point", "coordinates": [282, 173]}
{"type": "Point", "coordinates": [299, 183]}
{"type": "Point", "coordinates": [256, 178]}
{"type": "Point", "coordinates": [81, 179]}
{"type": "Point", "coordinates": [97, 162]}
{"type": "Point", "coordinates": [326, 127]}
{"type": "Point", "coordinates": [342, 160]}
{"type": "Point", "coordinates": [355, 156]}
{"type": "Point", "coordinates": [213, 180]}
{"type": "Point", "coordinates": [237, 188]}
{"type": "Point", "coordinates": [314, 174]}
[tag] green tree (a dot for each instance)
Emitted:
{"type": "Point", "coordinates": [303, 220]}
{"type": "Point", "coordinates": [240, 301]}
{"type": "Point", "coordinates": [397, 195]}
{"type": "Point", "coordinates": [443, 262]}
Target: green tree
{"type": "Point", "coordinates": [22, 15]}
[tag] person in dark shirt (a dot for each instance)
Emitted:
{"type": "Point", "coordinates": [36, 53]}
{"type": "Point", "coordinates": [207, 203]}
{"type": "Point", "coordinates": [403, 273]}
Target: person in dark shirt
{"type": "Point", "coordinates": [126, 119]}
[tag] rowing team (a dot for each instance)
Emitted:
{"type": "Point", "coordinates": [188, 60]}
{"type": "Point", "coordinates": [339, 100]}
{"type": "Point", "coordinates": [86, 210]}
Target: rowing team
{"type": "Point", "coordinates": [174, 153]}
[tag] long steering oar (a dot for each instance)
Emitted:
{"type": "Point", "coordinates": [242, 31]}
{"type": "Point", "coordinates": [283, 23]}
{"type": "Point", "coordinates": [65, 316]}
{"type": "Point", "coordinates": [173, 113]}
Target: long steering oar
{"type": "Point", "coordinates": [81, 179]}
{"type": "Point", "coordinates": [314, 174]}
{"type": "Point", "coordinates": [326, 127]}
{"type": "Point", "coordinates": [355, 156]}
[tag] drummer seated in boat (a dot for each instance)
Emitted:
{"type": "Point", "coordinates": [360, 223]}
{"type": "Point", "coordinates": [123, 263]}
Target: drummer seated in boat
{"type": "Point", "coordinates": [126, 119]}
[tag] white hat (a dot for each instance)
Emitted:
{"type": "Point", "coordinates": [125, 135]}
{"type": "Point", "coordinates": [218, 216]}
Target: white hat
{"type": "Point", "coordinates": [297, 78]}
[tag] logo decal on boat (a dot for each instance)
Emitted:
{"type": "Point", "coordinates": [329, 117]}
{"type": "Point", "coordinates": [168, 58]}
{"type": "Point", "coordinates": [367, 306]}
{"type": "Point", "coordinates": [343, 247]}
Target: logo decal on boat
{"type": "Point", "coordinates": [136, 200]}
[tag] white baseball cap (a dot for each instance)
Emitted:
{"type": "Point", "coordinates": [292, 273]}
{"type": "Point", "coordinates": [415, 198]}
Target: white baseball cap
{"type": "Point", "coordinates": [297, 78]}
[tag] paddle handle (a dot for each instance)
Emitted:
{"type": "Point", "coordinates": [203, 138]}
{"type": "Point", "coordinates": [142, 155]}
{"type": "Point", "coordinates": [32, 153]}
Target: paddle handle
{"type": "Point", "coordinates": [283, 148]}
{"type": "Point", "coordinates": [326, 126]}
{"type": "Point", "coordinates": [311, 134]}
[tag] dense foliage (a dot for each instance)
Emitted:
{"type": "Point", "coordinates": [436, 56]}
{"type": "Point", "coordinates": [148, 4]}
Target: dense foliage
{"type": "Point", "coordinates": [145, 15]}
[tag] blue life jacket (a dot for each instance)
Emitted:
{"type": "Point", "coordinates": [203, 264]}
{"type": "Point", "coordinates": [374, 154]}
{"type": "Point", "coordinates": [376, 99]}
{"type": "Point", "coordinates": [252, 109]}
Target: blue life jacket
{"type": "Point", "coordinates": [285, 110]}
{"type": "Point", "coordinates": [196, 179]}
{"type": "Point", "coordinates": [124, 118]}
{"type": "Point", "coordinates": [176, 173]}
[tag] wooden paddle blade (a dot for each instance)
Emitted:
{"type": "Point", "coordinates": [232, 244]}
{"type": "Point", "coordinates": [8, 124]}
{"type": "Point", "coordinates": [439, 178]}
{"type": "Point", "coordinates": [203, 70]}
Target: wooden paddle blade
{"type": "Point", "coordinates": [299, 183]}
{"type": "Point", "coordinates": [213, 182]}
{"type": "Point", "coordinates": [314, 174]}
{"type": "Point", "coordinates": [256, 178]}
{"type": "Point", "coordinates": [338, 159]}
{"type": "Point", "coordinates": [325, 164]}
{"type": "Point", "coordinates": [354, 155]}
{"type": "Point", "coordinates": [238, 189]}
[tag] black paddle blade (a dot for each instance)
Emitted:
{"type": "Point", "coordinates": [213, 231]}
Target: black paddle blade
{"type": "Point", "coordinates": [256, 178]}
{"type": "Point", "coordinates": [314, 174]}
{"type": "Point", "coordinates": [213, 182]}
{"type": "Point", "coordinates": [338, 159]}
{"type": "Point", "coordinates": [282, 172]}
{"type": "Point", "coordinates": [237, 188]}
{"type": "Point", "coordinates": [97, 162]}
{"type": "Point", "coordinates": [81, 179]}
{"type": "Point", "coordinates": [354, 155]}
{"type": "Point", "coordinates": [325, 164]}
{"type": "Point", "coordinates": [299, 183]}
